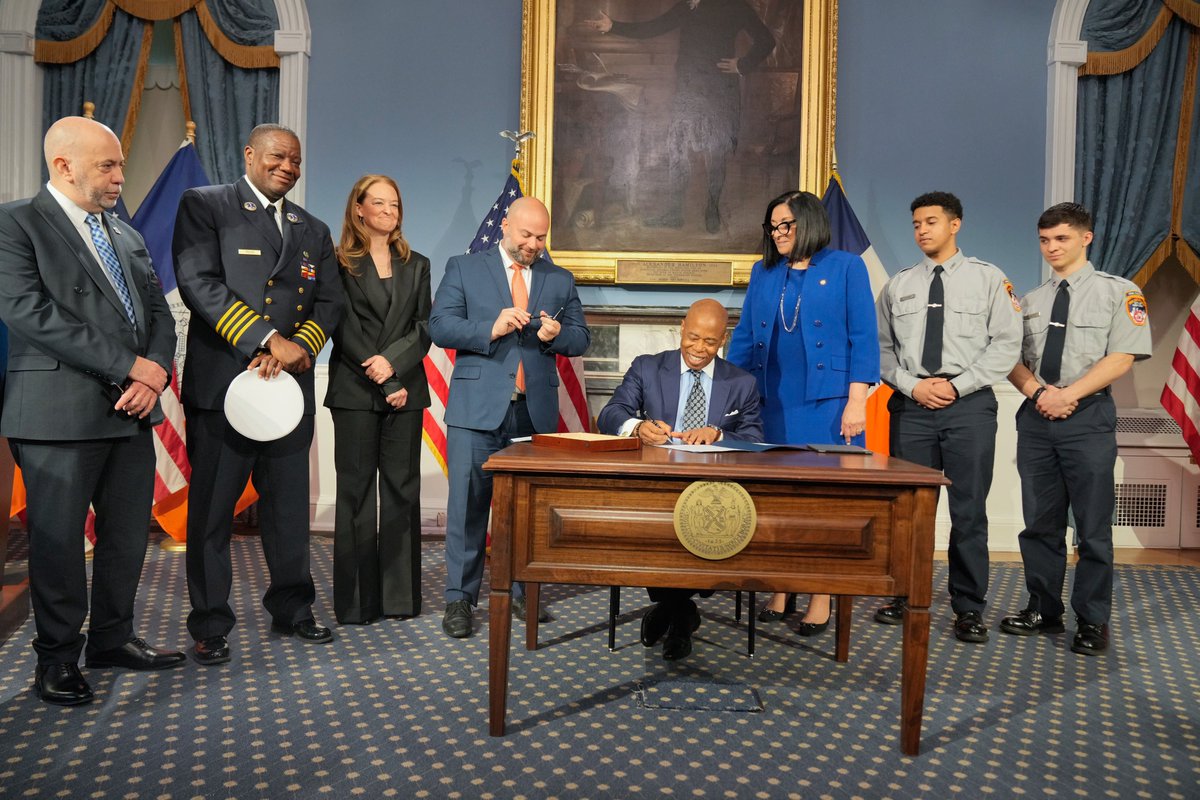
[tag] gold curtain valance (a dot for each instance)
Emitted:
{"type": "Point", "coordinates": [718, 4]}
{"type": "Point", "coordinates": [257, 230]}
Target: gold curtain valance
{"type": "Point", "coordinates": [240, 55]}
{"type": "Point", "coordinates": [1118, 61]}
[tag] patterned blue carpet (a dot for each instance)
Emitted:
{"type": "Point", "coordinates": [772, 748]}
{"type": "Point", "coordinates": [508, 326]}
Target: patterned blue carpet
{"type": "Point", "coordinates": [398, 710]}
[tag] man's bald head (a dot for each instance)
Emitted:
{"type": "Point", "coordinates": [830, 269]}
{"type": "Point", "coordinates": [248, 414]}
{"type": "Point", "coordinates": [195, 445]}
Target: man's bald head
{"type": "Point", "coordinates": [525, 228]}
{"type": "Point", "coordinates": [703, 332]}
{"type": "Point", "coordinates": [85, 162]}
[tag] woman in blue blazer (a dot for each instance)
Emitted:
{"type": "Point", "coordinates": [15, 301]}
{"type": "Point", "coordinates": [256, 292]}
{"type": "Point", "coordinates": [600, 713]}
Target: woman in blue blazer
{"type": "Point", "coordinates": [807, 334]}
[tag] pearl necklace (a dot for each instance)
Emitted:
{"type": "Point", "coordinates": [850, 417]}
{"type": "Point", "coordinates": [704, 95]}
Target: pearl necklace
{"type": "Point", "coordinates": [795, 311]}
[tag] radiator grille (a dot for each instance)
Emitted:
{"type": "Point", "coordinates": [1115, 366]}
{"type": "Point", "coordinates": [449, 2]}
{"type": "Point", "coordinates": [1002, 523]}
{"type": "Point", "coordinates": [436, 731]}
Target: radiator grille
{"type": "Point", "coordinates": [1143, 505]}
{"type": "Point", "coordinates": [1151, 426]}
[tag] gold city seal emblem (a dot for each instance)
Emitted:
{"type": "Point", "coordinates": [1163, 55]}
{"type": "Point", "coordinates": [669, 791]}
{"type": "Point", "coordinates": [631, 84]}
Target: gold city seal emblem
{"type": "Point", "coordinates": [715, 519]}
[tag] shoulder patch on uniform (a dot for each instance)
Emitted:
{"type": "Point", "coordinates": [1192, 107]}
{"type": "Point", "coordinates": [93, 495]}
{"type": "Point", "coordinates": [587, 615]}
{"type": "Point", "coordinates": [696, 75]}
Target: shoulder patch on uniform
{"type": "Point", "coordinates": [1012, 295]}
{"type": "Point", "coordinates": [1135, 307]}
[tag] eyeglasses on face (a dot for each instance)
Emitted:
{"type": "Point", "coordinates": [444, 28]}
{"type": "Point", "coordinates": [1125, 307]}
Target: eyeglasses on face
{"type": "Point", "coordinates": [783, 228]}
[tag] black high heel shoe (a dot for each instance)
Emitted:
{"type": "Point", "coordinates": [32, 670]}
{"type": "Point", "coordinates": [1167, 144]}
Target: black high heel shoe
{"type": "Point", "coordinates": [811, 628]}
{"type": "Point", "coordinates": [768, 615]}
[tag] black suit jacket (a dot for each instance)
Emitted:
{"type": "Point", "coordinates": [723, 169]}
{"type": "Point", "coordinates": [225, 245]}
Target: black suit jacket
{"type": "Point", "coordinates": [71, 345]}
{"type": "Point", "coordinates": [374, 323]}
{"type": "Point", "coordinates": [239, 285]}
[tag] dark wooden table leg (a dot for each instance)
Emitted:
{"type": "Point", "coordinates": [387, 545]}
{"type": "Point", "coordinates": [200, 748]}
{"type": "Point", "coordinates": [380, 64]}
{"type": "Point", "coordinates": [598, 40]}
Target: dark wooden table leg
{"type": "Point", "coordinates": [614, 610]}
{"type": "Point", "coordinates": [533, 599]}
{"type": "Point", "coordinates": [912, 686]}
{"type": "Point", "coordinates": [499, 634]}
{"type": "Point", "coordinates": [845, 605]}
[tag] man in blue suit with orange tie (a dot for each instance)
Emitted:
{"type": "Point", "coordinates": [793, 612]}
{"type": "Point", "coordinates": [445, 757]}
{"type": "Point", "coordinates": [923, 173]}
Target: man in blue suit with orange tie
{"type": "Point", "coordinates": [692, 396]}
{"type": "Point", "coordinates": [509, 312]}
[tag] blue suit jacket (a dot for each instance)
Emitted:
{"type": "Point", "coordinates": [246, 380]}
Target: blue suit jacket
{"type": "Point", "coordinates": [837, 313]}
{"type": "Point", "coordinates": [473, 292]}
{"type": "Point", "coordinates": [650, 390]}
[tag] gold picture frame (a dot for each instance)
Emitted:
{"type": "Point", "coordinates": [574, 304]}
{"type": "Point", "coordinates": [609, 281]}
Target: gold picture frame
{"type": "Point", "coordinates": [564, 54]}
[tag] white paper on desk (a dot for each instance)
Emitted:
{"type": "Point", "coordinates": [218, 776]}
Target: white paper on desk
{"type": "Point", "coordinates": [696, 448]}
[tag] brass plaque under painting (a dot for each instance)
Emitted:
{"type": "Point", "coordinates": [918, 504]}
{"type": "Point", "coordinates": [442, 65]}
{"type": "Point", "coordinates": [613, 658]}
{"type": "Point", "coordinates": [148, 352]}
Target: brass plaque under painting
{"type": "Point", "coordinates": [715, 519]}
{"type": "Point", "coordinates": [702, 273]}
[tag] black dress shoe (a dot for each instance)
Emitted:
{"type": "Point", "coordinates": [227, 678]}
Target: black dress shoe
{"type": "Point", "coordinates": [456, 622]}
{"type": "Point", "coordinates": [770, 615]}
{"type": "Point", "coordinates": [61, 685]}
{"type": "Point", "coordinates": [213, 650]}
{"type": "Point", "coordinates": [520, 611]}
{"type": "Point", "coordinates": [1031, 623]}
{"type": "Point", "coordinates": [969, 627]}
{"type": "Point", "coordinates": [135, 654]}
{"type": "Point", "coordinates": [678, 643]}
{"type": "Point", "coordinates": [811, 628]}
{"type": "Point", "coordinates": [893, 612]}
{"type": "Point", "coordinates": [306, 631]}
{"type": "Point", "coordinates": [1090, 640]}
{"type": "Point", "coordinates": [655, 624]}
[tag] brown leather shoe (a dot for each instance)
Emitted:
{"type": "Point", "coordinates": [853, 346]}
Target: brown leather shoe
{"type": "Point", "coordinates": [213, 650]}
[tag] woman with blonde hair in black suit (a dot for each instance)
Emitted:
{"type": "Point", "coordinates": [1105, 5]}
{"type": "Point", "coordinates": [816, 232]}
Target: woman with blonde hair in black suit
{"type": "Point", "coordinates": [377, 391]}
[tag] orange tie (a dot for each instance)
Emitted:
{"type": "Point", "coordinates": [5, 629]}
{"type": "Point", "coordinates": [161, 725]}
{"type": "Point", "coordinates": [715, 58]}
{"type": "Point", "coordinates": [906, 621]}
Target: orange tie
{"type": "Point", "coordinates": [520, 300]}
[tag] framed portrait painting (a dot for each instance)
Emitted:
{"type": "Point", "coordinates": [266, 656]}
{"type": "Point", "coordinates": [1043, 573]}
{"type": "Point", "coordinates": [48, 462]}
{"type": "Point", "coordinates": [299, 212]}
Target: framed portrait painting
{"type": "Point", "coordinates": [663, 127]}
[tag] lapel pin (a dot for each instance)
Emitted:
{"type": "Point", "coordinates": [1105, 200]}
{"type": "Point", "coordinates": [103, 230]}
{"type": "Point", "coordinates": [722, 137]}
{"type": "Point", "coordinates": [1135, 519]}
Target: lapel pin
{"type": "Point", "coordinates": [822, 281]}
{"type": "Point", "coordinates": [249, 206]}
{"type": "Point", "coordinates": [292, 218]}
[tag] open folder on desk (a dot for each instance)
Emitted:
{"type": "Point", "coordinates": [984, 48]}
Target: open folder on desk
{"type": "Point", "coordinates": [756, 447]}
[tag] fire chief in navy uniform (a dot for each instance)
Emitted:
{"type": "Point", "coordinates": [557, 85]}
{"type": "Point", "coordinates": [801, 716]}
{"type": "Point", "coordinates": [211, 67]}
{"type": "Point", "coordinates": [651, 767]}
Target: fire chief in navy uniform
{"type": "Point", "coordinates": [261, 280]}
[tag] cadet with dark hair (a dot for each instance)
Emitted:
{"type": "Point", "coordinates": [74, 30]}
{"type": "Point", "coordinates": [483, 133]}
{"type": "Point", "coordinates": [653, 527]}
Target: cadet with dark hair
{"type": "Point", "coordinates": [949, 328]}
{"type": "Point", "coordinates": [1083, 330]}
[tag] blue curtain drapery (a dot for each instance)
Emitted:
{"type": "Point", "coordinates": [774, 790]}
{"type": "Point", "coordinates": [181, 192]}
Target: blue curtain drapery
{"type": "Point", "coordinates": [227, 101]}
{"type": "Point", "coordinates": [93, 50]}
{"type": "Point", "coordinates": [1128, 155]}
{"type": "Point", "coordinates": [105, 77]}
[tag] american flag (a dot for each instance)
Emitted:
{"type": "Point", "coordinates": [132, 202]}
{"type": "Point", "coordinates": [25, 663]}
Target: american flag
{"type": "Point", "coordinates": [1181, 395]}
{"type": "Point", "coordinates": [572, 399]}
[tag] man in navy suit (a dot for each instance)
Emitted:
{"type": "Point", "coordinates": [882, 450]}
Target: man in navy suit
{"type": "Point", "coordinates": [508, 312]}
{"type": "Point", "coordinates": [688, 395]}
{"type": "Point", "coordinates": [91, 347]}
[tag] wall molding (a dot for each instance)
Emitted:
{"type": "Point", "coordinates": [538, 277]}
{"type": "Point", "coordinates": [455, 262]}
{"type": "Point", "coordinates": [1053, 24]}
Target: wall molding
{"type": "Point", "coordinates": [21, 99]}
{"type": "Point", "coordinates": [293, 44]}
{"type": "Point", "coordinates": [1065, 54]}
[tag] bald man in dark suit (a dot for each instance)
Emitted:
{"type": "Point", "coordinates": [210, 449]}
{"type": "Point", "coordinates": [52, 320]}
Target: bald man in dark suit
{"type": "Point", "coordinates": [91, 346]}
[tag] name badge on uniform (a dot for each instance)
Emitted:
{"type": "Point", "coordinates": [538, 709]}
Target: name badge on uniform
{"type": "Point", "coordinates": [245, 251]}
{"type": "Point", "coordinates": [907, 297]}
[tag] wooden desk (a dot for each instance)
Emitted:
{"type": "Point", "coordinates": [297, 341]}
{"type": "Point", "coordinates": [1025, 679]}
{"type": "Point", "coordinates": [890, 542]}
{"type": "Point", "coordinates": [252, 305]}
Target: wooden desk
{"type": "Point", "coordinates": [843, 525]}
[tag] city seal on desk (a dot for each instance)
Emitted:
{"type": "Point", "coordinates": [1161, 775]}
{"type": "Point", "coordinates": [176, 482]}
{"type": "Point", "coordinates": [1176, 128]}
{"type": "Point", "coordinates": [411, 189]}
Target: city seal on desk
{"type": "Point", "coordinates": [715, 519]}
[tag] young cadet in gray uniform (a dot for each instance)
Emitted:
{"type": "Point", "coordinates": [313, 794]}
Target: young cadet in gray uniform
{"type": "Point", "coordinates": [1083, 330]}
{"type": "Point", "coordinates": [949, 328]}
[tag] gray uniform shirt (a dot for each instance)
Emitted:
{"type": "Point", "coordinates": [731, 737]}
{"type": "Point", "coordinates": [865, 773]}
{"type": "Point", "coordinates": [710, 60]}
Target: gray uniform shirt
{"type": "Point", "coordinates": [981, 332]}
{"type": "Point", "coordinates": [1107, 315]}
